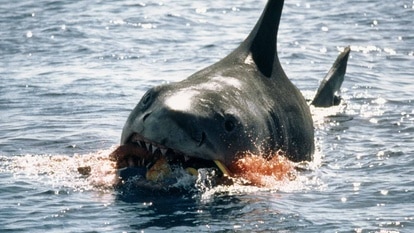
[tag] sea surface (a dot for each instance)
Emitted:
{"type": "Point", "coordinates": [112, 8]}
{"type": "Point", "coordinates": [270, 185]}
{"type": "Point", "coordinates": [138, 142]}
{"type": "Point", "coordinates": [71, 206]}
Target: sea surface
{"type": "Point", "coordinates": [71, 72]}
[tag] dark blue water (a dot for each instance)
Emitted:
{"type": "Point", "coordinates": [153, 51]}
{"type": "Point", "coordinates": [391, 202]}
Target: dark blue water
{"type": "Point", "coordinates": [71, 71]}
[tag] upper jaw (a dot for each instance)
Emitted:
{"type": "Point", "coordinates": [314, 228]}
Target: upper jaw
{"type": "Point", "coordinates": [138, 151]}
{"type": "Point", "coordinates": [150, 146]}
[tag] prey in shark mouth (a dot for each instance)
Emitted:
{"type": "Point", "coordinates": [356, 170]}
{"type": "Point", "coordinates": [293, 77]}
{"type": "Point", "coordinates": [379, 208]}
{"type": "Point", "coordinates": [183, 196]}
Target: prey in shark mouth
{"type": "Point", "coordinates": [156, 162]}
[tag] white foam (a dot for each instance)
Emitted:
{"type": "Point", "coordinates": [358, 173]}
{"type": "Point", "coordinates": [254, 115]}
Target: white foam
{"type": "Point", "coordinates": [61, 171]}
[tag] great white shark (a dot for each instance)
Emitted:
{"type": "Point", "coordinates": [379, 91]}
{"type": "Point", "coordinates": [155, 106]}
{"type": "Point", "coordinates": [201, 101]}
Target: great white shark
{"type": "Point", "coordinates": [243, 103]}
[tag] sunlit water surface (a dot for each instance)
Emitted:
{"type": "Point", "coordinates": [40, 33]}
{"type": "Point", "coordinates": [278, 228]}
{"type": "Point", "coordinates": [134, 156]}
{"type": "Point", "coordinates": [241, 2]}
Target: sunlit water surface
{"type": "Point", "coordinates": [71, 71]}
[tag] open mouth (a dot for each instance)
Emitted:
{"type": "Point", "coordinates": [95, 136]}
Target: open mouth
{"type": "Point", "coordinates": [157, 162]}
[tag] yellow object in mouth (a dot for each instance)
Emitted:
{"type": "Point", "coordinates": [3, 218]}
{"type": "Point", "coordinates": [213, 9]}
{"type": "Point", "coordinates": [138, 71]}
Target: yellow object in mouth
{"type": "Point", "coordinates": [223, 168]}
{"type": "Point", "coordinates": [159, 171]}
{"type": "Point", "coordinates": [192, 171]}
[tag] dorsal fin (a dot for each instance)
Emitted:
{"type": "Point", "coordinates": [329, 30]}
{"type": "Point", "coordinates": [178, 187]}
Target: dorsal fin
{"type": "Point", "coordinates": [330, 85]}
{"type": "Point", "coordinates": [261, 42]}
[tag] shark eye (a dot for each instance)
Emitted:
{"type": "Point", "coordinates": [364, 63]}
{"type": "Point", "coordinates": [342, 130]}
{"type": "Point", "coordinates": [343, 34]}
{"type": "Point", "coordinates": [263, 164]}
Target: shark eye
{"type": "Point", "coordinates": [230, 124]}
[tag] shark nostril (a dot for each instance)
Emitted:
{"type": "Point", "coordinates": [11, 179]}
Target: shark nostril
{"type": "Point", "coordinates": [146, 116]}
{"type": "Point", "coordinates": [199, 137]}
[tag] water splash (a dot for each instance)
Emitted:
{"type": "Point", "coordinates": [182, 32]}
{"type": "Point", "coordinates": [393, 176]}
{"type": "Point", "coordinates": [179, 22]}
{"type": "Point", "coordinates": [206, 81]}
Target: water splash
{"type": "Point", "coordinates": [93, 171]}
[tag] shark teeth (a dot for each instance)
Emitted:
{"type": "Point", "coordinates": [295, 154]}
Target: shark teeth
{"type": "Point", "coordinates": [160, 152]}
{"type": "Point", "coordinates": [151, 147]}
{"type": "Point", "coordinates": [154, 148]}
{"type": "Point", "coordinates": [148, 146]}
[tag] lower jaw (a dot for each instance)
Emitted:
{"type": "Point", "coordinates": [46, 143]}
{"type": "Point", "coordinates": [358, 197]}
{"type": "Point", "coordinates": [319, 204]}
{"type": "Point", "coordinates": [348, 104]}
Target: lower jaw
{"type": "Point", "coordinates": [170, 179]}
{"type": "Point", "coordinates": [161, 170]}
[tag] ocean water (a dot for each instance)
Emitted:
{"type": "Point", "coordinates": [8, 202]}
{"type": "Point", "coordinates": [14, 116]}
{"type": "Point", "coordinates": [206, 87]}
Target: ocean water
{"type": "Point", "coordinates": [71, 71]}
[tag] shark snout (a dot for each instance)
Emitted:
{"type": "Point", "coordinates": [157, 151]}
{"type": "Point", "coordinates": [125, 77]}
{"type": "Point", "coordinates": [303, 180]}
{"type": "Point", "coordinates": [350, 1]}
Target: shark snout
{"type": "Point", "coordinates": [178, 130]}
{"type": "Point", "coordinates": [175, 123]}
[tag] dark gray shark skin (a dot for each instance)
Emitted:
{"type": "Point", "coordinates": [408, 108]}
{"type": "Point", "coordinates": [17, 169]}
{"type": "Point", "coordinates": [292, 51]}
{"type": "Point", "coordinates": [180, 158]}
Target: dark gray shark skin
{"type": "Point", "coordinates": [242, 103]}
{"type": "Point", "coordinates": [326, 96]}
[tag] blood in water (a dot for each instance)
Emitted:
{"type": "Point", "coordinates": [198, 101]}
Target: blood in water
{"type": "Point", "coordinates": [265, 172]}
